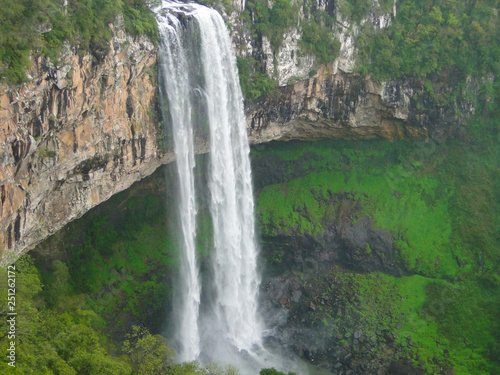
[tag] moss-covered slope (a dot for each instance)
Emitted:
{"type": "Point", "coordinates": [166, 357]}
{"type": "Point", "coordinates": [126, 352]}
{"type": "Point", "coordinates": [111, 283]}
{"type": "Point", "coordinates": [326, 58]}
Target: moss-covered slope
{"type": "Point", "coordinates": [384, 254]}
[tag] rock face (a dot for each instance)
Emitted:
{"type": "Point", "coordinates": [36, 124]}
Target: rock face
{"type": "Point", "coordinates": [84, 130]}
{"type": "Point", "coordinates": [350, 106]}
{"type": "Point", "coordinates": [290, 62]}
{"type": "Point", "coordinates": [74, 136]}
{"type": "Point", "coordinates": [333, 105]}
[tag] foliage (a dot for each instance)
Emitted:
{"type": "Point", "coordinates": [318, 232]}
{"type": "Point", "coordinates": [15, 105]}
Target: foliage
{"type": "Point", "coordinates": [430, 36]}
{"type": "Point", "coordinates": [64, 336]}
{"type": "Point", "coordinates": [52, 341]}
{"type": "Point", "coordinates": [254, 80]}
{"type": "Point", "coordinates": [317, 38]}
{"type": "Point", "coordinates": [149, 354]}
{"type": "Point", "coordinates": [139, 20]}
{"type": "Point", "coordinates": [271, 22]}
{"type": "Point", "coordinates": [81, 23]}
{"type": "Point", "coordinates": [17, 40]}
{"type": "Point", "coordinates": [355, 10]}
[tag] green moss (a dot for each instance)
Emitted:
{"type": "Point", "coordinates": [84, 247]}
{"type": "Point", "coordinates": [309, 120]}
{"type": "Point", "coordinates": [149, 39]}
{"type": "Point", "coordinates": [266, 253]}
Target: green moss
{"type": "Point", "coordinates": [431, 321]}
{"type": "Point", "coordinates": [403, 199]}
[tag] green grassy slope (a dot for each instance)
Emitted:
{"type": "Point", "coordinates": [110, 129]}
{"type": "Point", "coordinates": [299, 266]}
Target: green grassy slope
{"type": "Point", "coordinates": [439, 202]}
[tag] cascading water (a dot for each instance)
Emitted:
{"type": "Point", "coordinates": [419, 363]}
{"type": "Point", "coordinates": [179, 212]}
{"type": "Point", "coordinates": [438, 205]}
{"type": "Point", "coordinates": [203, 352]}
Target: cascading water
{"type": "Point", "coordinates": [229, 323]}
{"type": "Point", "coordinates": [175, 88]}
{"type": "Point", "coordinates": [232, 207]}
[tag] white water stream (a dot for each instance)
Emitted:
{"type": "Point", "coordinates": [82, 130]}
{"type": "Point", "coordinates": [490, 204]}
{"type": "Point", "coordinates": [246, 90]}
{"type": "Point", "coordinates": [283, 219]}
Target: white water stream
{"type": "Point", "coordinates": [175, 87]}
{"type": "Point", "coordinates": [198, 69]}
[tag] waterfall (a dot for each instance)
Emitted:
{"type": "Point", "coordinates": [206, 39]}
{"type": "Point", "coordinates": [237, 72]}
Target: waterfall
{"type": "Point", "coordinates": [175, 92]}
{"type": "Point", "coordinates": [232, 207]}
{"type": "Point", "coordinates": [198, 73]}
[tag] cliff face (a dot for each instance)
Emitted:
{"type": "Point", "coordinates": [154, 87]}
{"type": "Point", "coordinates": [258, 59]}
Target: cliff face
{"type": "Point", "coordinates": [354, 107]}
{"type": "Point", "coordinates": [74, 136]}
{"type": "Point", "coordinates": [290, 62]}
{"type": "Point", "coordinates": [84, 130]}
{"type": "Point", "coordinates": [314, 101]}
{"type": "Point", "coordinates": [334, 105]}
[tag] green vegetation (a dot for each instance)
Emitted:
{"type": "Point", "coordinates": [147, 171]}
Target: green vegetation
{"type": "Point", "coordinates": [356, 10]}
{"type": "Point", "coordinates": [430, 37]}
{"type": "Point", "coordinates": [52, 341]}
{"type": "Point", "coordinates": [129, 256]}
{"type": "Point", "coordinates": [317, 39]}
{"type": "Point", "coordinates": [439, 202]}
{"type": "Point", "coordinates": [271, 22]}
{"type": "Point", "coordinates": [44, 152]}
{"type": "Point", "coordinates": [317, 36]}
{"type": "Point", "coordinates": [254, 80]}
{"type": "Point", "coordinates": [404, 199]}
{"type": "Point", "coordinates": [28, 26]}
{"type": "Point", "coordinates": [435, 324]}
{"type": "Point", "coordinates": [67, 337]}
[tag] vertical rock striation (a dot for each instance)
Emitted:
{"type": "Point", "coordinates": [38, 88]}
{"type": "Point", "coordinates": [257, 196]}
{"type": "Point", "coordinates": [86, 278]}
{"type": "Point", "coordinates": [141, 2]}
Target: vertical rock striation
{"type": "Point", "coordinates": [73, 136]}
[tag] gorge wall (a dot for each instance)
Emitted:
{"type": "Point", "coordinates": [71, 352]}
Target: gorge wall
{"type": "Point", "coordinates": [85, 129]}
{"type": "Point", "coordinates": [75, 135]}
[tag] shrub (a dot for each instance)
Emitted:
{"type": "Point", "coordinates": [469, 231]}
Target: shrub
{"type": "Point", "coordinates": [319, 40]}
{"type": "Point", "coordinates": [254, 82]}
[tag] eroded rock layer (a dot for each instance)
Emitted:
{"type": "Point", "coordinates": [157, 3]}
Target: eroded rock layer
{"type": "Point", "coordinates": [72, 137]}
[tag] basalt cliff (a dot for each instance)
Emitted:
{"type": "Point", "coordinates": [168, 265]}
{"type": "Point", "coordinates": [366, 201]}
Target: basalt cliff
{"type": "Point", "coordinates": [84, 129]}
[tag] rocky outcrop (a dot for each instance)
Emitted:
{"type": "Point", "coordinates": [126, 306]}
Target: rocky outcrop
{"type": "Point", "coordinates": [319, 316]}
{"type": "Point", "coordinates": [77, 133]}
{"type": "Point", "coordinates": [290, 62]}
{"type": "Point", "coordinates": [350, 106]}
